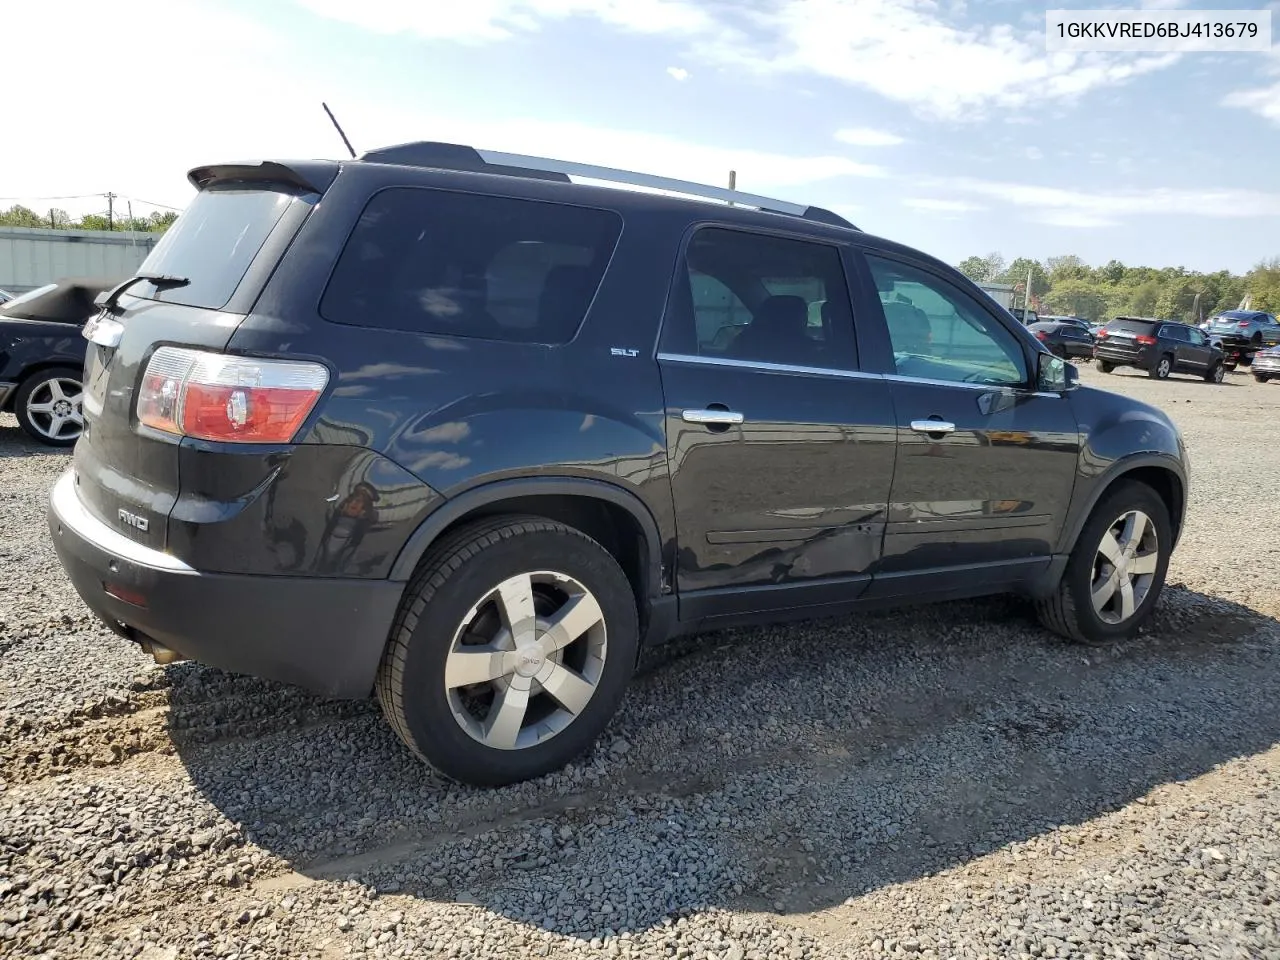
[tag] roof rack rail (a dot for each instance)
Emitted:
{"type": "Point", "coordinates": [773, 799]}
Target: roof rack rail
{"type": "Point", "coordinates": [453, 156]}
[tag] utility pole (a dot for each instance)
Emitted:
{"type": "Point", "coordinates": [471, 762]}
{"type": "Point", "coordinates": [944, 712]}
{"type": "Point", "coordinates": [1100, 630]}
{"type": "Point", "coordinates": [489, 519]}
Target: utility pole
{"type": "Point", "coordinates": [733, 182]}
{"type": "Point", "coordinates": [110, 210]}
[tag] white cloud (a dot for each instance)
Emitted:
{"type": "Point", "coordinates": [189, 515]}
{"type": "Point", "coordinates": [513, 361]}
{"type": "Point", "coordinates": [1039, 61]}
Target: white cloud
{"type": "Point", "coordinates": [908, 51]}
{"type": "Point", "coordinates": [1264, 101]}
{"type": "Point", "coordinates": [1073, 218]}
{"type": "Point", "coordinates": [483, 21]}
{"type": "Point", "coordinates": [941, 206]}
{"type": "Point", "coordinates": [1033, 153]}
{"type": "Point", "coordinates": [678, 73]}
{"type": "Point", "coordinates": [868, 137]}
{"type": "Point", "coordinates": [1085, 208]}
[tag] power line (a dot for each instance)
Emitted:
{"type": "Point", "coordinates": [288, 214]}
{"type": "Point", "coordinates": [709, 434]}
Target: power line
{"type": "Point", "coordinates": [82, 196]}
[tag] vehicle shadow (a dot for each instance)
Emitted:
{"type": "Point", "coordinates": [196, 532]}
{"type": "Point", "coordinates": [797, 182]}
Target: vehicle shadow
{"type": "Point", "coordinates": [1178, 379]}
{"type": "Point", "coordinates": [783, 769]}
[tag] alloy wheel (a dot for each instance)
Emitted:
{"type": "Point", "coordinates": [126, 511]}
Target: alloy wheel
{"type": "Point", "coordinates": [526, 660]}
{"type": "Point", "coordinates": [1124, 567]}
{"type": "Point", "coordinates": [55, 410]}
{"type": "Point", "coordinates": [1164, 367]}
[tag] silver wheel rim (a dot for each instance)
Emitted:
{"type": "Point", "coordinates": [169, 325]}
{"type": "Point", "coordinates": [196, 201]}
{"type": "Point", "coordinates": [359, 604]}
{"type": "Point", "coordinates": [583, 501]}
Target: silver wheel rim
{"type": "Point", "coordinates": [1124, 567]}
{"type": "Point", "coordinates": [1218, 373]}
{"type": "Point", "coordinates": [54, 408]}
{"type": "Point", "coordinates": [1163, 369]}
{"type": "Point", "coordinates": [526, 660]}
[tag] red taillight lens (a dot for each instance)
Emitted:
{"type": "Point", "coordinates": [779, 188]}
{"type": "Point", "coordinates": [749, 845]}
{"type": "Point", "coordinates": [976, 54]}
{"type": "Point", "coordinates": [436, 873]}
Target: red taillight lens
{"type": "Point", "coordinates": [1102, 334]}
{"type": "Point", "coordinates": [1242, 324]}
{"type": "Point", "coordinates": [212, 396]}
{"type": "Point", "coordinates": [1041, 335]}
{"type": "Point", "coordinates": [1146, 341]}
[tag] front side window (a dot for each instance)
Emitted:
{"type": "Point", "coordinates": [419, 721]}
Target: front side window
{"type": "Point", "coordinates": [468, 265]}
{"type": "Point", "coordinates": [762, 299]}
{"type": "Point", "coordinates": [938, 332]}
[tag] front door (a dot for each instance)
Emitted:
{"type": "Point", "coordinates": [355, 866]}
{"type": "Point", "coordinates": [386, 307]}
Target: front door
{"type": "Point", "coordinates": [781, 449]}
{"type": "Point", "coordinates": [986, 465]}
{"type": "Point", "coordinates": [1195, 354]}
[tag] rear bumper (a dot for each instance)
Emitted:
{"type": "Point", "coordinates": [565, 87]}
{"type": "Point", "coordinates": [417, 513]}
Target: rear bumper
{"type": "Point", "coordinates": [1266, 365]}
{"type": "Point", "coordinates": [1122, 356]}
{"type": "Point", "coordinates": [324, 634]}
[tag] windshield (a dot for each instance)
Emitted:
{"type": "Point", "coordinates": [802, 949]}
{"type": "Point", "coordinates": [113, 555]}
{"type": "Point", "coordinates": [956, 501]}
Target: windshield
{"type": "Point", "coordinates": [1132, 326]}
{"type": "Point", "coordinates": [212, 245]}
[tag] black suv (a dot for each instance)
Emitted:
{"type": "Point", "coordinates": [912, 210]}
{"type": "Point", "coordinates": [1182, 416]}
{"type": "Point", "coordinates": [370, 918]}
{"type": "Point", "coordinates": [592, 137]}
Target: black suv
{"type": "Point", "coordinates": [448, 427]}
{"type": "Point", "coordinates": [1160, 347]}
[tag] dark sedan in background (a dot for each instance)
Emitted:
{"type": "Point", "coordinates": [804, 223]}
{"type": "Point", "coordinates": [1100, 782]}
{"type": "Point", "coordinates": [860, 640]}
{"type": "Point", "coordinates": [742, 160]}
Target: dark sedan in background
{"type": "Point", "coordinates": [1065, 338]}
{"type": "Point", "coordinates": [42, 358]}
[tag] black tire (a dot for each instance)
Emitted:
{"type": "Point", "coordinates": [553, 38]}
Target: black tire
{"type": "Point", "coordinates": [1161, 369]}
{"type": "Point", "coordinates": [37, 385]}
{"type": "Point", "coordinates": [1104, 367]}
{"type": "Point", "coordinates": [1262, 377]}
{"type": "Point", "coordinates": [1069, 611]}
{"type": "Point", "coordinates": [450, 582]}
{"type": "Point", "coordinates": [1215, 374]}
{"type": "Point", "coordinates": [1229, 366]}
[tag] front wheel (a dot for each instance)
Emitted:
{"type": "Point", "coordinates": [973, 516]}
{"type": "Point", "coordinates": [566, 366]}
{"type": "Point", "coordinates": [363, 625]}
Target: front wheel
{"type": "Point", "coordinates": [48, 406]}
{"type": "Point", "coordinates": [1104, 367]}
{"type": "Point", "coordinates": [1216, 373]}
{"type": "Point", "coordinates": [1262, 377]}
{"type": "Point", "coordinates": [1162, 369]}
{"type": "Point", "coordinates": [511, 652]}
{"type": "Point", "coordinates": [1116, 570]}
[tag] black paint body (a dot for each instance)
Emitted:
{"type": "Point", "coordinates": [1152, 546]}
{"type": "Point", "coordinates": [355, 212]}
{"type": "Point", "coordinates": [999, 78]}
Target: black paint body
{"type": "Point", "coordinates": [821, 501]}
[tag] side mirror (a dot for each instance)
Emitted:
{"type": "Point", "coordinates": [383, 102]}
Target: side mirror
{"type": "Point", "coordinates": [1055, 375]}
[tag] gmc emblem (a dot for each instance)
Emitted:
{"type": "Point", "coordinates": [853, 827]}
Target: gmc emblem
{"type": "Point", "coordinates": [133, 520]}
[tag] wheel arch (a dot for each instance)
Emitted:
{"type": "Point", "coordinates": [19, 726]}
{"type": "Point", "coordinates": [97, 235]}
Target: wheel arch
{"type": "Point", "coordinates": [614, 517]}
{"type": "Point", "coordinates": [1160, 472]}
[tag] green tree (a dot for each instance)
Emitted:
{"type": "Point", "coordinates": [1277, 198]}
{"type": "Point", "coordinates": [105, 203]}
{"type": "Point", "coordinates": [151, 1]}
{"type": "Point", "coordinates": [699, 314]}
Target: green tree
{"type": "Point", "coordinates": [1077, 297]}
{"type": "Point", "coordinates": [1017, 273]}
{"type": "Point", "coordinates": [975, 268]}
{"type": "Point", "coordinates": [20, 216]}
{"type": "Point", "coordinates": [1264, 285]}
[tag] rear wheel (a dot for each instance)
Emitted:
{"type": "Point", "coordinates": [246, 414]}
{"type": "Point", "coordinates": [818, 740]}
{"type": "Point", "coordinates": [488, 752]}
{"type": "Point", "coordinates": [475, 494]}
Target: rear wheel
{"type": "Point", "coordinates": [1116, 570]}
{"type": "Point", "coordinates": [48, 406]}
{"type": "Point", "coordinates": [1262, 377]}
{"type": "Point", "coordinates": [512, 651]}
{"type": "Point", "coordinates": [1104, 367]}
{"type": "Point", "coordinates": [1162, 369]}
{"type": "Point", "coordinates": [1216, 373]}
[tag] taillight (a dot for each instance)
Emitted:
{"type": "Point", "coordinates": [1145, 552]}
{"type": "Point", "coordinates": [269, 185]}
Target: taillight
{"type": "Point", "coordinates": [1144, 340]}
{"type": "Point", "coordinates": [1243, 324]}
{"type": "Point", "coordinates": [212, 396]}
{"type": "Point", "coordinates": [1101, 334]}
{"type": "Point", "coordinates": [1041, 335]}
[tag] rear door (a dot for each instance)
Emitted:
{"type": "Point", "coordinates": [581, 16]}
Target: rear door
{"type": "Point", "coordinates": [126, 473]}
{"type": "Point", "coordinates": [781, 449]}
{"type": "Point", "coordinates": [986, 463]}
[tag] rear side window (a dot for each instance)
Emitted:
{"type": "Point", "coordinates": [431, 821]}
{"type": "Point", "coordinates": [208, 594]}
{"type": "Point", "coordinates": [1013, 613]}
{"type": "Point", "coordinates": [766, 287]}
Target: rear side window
{"type": "Point", "coordinates": [212, 245]}
{"type": "Point", "coordinates": [467, 265]}
{"type": "Point", "coordinates": [1131, 326]}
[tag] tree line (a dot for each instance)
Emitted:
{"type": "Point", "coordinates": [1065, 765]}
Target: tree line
{"type": "Point", "coordinates": [1067, 285]}
{"type": "Point", "coordinates": [20, 216]}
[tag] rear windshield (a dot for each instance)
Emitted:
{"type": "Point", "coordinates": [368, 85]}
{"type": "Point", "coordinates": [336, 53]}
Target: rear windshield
{"type": "Point", "coordinates": [1132, 326]}
{"type": "Point", "coordinates": [497, 268]}
{"type": "Point", "coordinates": [212, 244]}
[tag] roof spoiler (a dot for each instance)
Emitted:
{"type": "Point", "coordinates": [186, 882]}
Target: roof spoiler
{"type": "Point", "coordinates": [307, 176]}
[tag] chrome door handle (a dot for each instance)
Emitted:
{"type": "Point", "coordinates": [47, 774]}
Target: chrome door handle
{"type": "Point", "coordinates": [932, 426]}
{"type": "Point", "coordinates": [721, 418]}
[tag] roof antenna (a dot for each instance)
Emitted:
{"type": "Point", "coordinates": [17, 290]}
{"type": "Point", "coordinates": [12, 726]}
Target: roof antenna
{"type": "Point", "coordinates": [338, 127]}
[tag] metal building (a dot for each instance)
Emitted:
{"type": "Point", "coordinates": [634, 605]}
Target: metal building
{"type": "Point", "coordinates": [31, 258]}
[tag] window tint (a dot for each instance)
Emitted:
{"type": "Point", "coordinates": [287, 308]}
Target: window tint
{"type": "Point", "coordinates": [1131, 326]}
{"type": "Point", "coordinates": [762, 299]}
{"type": "Point", "coordinates": [1197, 337]}
{"type": "Point", "coordinates": [212, 244]}
{"type": "Point", "coordinates": [431, 261]}
{"type": "Point", "coordinates": [939, 332]}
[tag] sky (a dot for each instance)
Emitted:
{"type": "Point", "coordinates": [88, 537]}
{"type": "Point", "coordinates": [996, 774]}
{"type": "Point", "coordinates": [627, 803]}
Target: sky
{"type": "Point", "coordinates": [943, 124]}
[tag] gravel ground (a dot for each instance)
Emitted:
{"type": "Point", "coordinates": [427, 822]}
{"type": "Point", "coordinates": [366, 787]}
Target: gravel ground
{"type": "Point", "coordinates": [944, 782]}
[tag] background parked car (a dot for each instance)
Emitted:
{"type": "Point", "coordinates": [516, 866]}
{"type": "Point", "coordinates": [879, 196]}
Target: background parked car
{"type": "Point", "coordinates": [1266, 364]}
{"type": "Point", "coordinates": [1077, 321]}
{"type": "Point", "coordinates": [1160, 347]}
{"type": "Point", "coordinates": [1064, 338]}
{"type": "Point", "coordinates": [5, 296]}
{"type": "Point", "coordinates": [42, 358]}
{"type": "Point", "coordinates": [1252, 326]}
